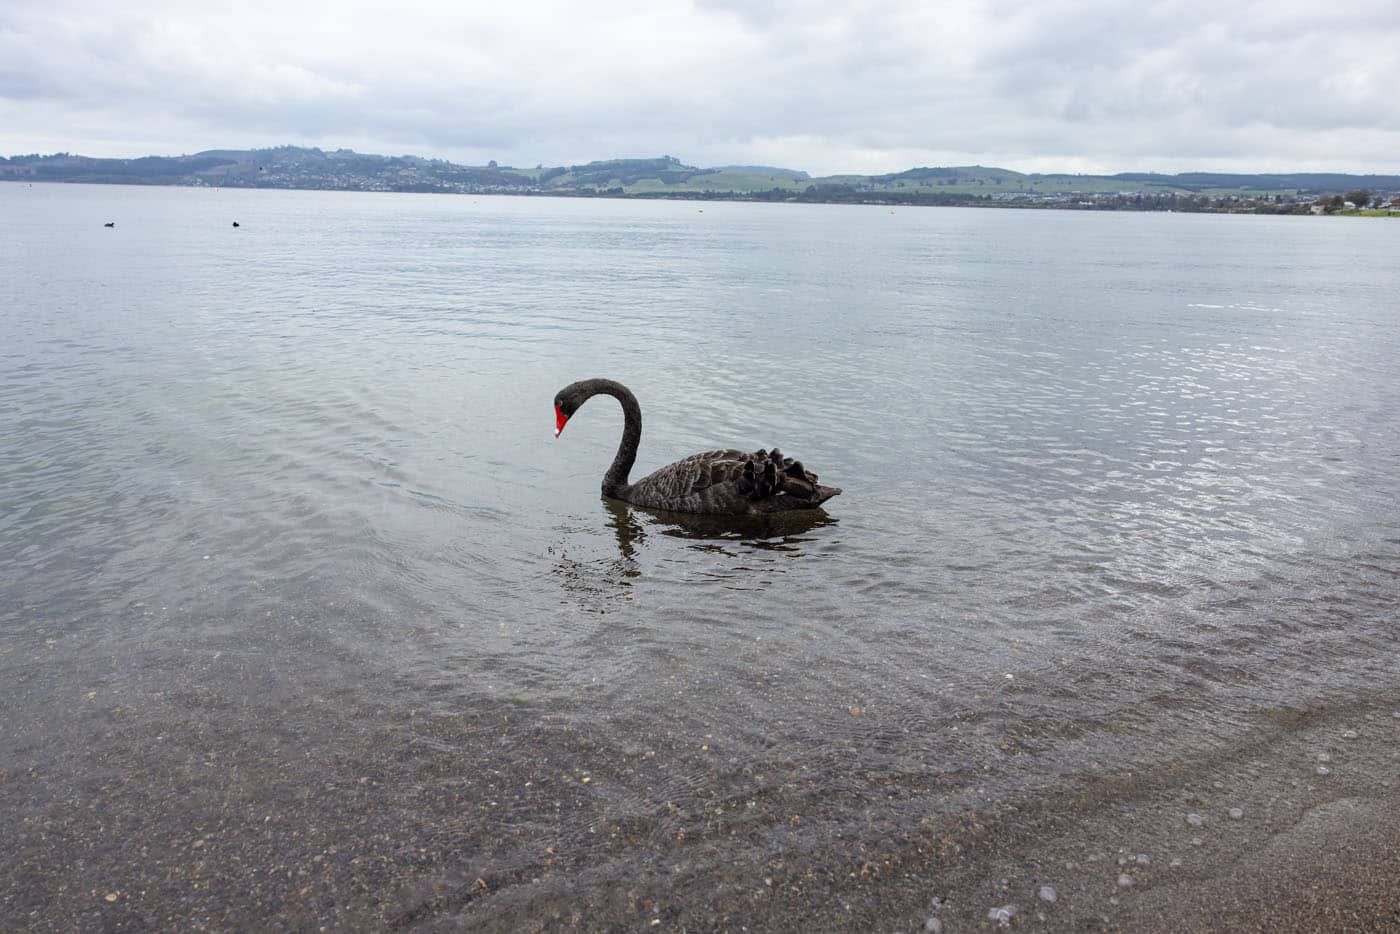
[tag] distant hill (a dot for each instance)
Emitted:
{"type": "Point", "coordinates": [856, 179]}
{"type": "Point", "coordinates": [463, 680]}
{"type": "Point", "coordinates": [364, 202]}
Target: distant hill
{"type": "Point", "coordinates": [344, 169]}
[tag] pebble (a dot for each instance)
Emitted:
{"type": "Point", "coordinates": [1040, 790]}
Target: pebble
{"type": "Point", "coordinates": [1142, 859]}
{"type": "Point", "coordinates": [933, 926]}
{"type": "Point", "coordinates": [1324, 757]}
{"type": "Point", "coordinates": [1323, 770]}
{"type": "Point", "coordinates": [1350, 734]}
{"type": "Point", "coordinates": [1218, 785]}
{"type": "Point", "coordinates": [1396, 715]}
{"type": "Point", "coordinates": [1175, 864]}
{"type": "Point", "coordinates": [1196, 841]}
{"type": "Point", "coordinates": [1047, 893]}
{"type": "Point", "coordinates": [1112, 901]}
{"type": "Point", "coordinates": [1195, 820]}
{"type": "Point", "coordinates": [1002, 915]}
{"type": "Point", "coordinates": [1236, 813]}
{"type": "Point", "coordinates": [1125, 881]}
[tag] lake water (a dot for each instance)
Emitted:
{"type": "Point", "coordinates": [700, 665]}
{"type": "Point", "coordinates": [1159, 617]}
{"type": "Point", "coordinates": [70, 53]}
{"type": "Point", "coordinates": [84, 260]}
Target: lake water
{"type": "Point", "coordinates": [305, 613]}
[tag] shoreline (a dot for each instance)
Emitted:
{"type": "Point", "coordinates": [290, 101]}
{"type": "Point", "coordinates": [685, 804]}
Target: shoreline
{"type": "Point", "coordinates": [738, 198]}
{"type": "Point", "coordinates": [204, 789]}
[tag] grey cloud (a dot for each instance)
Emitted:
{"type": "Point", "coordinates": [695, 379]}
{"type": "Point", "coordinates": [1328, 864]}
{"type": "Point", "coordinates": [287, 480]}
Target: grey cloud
{"type": "Point", "coordinates": [815, 85]}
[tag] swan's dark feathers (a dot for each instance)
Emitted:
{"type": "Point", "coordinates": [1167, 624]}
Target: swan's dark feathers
{"type": "Point", "coordinates": [731, 482]}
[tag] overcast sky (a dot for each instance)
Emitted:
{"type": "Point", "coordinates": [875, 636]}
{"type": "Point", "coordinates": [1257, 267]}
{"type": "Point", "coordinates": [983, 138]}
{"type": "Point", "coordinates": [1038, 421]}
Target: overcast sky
{"type": "Point", "coordinates": [821, 85]}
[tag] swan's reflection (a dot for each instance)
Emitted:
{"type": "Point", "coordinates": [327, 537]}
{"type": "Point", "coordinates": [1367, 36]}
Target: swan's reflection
{"type": "Point", "coordinates": [778, 531]}
{"type": "Point", "coordinates": [630, 532]}
{"type": "Point", "coordinates": [599, 581]}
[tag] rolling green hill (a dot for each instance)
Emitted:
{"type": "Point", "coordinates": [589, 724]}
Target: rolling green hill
{"type": "Point", "coordinates": [298, 167]}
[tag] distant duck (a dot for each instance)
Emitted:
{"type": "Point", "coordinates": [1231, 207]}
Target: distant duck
{"type": "Point", "coordinates": [110, 224]}
{"type": "Point", "coordinates": [236, 224]}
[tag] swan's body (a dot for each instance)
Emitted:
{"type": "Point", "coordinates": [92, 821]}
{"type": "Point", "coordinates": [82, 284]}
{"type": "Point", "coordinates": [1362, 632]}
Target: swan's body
{"type": "Point", "coordinates": [714, 482]}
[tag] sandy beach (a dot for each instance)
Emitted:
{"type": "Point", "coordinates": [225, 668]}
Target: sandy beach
{"type": "Point", "coordinates": [204, 792]}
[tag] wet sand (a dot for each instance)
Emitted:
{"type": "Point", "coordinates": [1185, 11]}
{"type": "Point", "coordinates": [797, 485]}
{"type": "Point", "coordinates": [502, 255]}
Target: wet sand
{"type": "Point", "coordinates": [207, 787]}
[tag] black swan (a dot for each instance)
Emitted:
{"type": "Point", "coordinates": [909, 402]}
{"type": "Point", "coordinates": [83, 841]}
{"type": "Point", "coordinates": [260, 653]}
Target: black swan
{"type": "Point", "coordinates": [714, 483]}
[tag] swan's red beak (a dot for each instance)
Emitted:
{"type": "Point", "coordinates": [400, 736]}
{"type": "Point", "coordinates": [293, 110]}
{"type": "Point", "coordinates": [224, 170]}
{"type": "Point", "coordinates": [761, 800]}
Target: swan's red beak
{"type": "Point", "coordinates": [559, 420]}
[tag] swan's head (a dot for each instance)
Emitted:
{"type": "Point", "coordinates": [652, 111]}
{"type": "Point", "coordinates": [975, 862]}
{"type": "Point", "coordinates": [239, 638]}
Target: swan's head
{"type": "Point", "coordinates": [565, 405]}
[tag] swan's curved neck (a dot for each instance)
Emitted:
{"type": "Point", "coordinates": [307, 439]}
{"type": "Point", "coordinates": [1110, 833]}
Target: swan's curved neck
{"type": "Point", "coordinates": [615, 480]}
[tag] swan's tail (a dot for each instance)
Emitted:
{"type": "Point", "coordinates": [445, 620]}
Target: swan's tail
{"type": "Point", "coordinates": [776, 482]}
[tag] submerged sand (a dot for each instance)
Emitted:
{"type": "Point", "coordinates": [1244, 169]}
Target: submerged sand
{"type": "Point", "coordinates": [213, 791]}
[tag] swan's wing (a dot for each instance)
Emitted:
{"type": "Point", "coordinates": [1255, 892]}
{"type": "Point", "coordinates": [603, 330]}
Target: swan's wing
{"type": "Point", "coordinates": [721, 480]}
{"type": "Point", "coordinates": [698, 473]}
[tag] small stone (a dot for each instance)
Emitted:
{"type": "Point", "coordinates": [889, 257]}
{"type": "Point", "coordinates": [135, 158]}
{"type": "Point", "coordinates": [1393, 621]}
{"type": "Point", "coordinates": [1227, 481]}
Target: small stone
{"type": "Point", "coordinates": [1142, 859]}
{"type": "Point", "coordinates": [1195, 820]}
{"type": "Point", "coordinates": [1002, 915]}
{"type": "Point", "coordinates": [933, 926]}
{"type": "Point", "coordinates": [1396, 715]}
{"type": "Point", "coordinates": [1218, 786]}
{"type": "Point", "coordinates": [1048, 894]}
{"type": "Point", "coordinates": [1323, 770]}
{"type": "Point", "coordinates": [1236, 813]}
{"type": "Point", "coordinates": [111, 896]}
{"type": "Point", "coordinates": [1112, 901]}
{"type": "Point", "coordinates": [854, 711]}
{"type": "Point", "coordinates": [1350, 734]}
{"type": "Point", "coordinates": [1175, 864]}
{"type": "Point", "coordinates": [1125, 881]}
{"type": "Point", "coordinates": [1196, 841]}
{"type": "Point", "coordinates": [1324, 757]}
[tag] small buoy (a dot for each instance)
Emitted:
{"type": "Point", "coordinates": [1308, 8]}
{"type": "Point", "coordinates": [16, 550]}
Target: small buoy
{"type": "Point", "coordinates": [235, 223]}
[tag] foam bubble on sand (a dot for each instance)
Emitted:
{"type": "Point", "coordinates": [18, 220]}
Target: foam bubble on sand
{"type": "Point", "coordinates": [1002, 915]}
{"type": "Point", "coordinates": [1236, 813]}
{"type": "Point", "coordinates": [1194, 819]}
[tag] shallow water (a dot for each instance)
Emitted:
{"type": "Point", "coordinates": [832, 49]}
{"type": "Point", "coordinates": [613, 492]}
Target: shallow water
{"type": "Point", "coordinates": [282, 518]}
